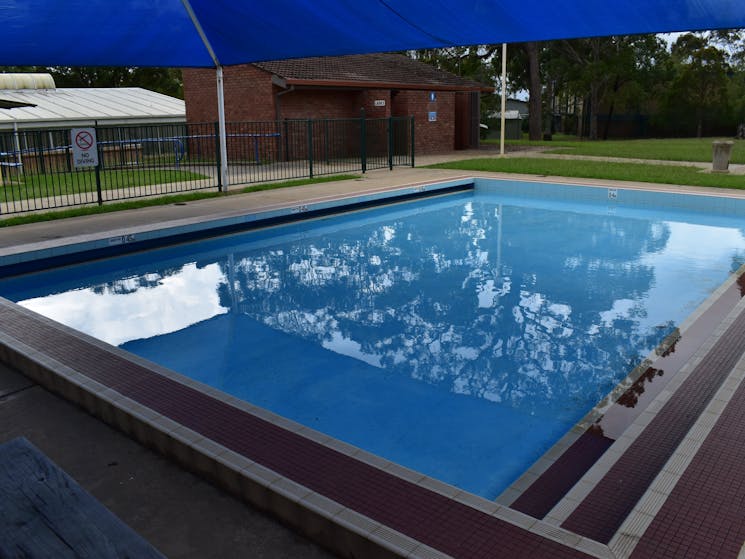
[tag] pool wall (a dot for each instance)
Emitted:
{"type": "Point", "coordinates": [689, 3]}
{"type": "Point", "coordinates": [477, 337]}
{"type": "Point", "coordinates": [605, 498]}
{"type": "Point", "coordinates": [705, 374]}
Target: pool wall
{"type": "Point", "coordinates": [133, 239]}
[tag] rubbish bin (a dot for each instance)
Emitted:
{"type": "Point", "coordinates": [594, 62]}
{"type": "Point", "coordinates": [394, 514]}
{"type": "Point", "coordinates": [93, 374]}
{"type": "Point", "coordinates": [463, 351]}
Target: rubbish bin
{"type": "Point", "coordinates": [722, 152]}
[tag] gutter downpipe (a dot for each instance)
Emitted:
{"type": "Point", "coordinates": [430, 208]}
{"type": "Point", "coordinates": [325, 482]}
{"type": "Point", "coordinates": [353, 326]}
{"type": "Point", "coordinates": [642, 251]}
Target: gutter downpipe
{"type": "Point", "coordinates": [220, 95]}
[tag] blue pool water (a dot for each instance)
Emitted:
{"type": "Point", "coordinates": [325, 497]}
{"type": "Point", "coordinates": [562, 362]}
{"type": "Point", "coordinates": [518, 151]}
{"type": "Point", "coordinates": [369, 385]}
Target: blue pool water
{"type": "Point", "coordinates": [460, 336]}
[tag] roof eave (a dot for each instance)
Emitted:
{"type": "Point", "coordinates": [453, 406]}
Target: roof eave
{"type": "Point", "coordinates": [352, 84]}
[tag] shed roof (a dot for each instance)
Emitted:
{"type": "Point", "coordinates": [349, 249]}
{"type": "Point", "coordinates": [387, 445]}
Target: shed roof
{"type": "Point", "coordinates": [86, 106]}
{"type": "Point", "coordinates": [371, 70]}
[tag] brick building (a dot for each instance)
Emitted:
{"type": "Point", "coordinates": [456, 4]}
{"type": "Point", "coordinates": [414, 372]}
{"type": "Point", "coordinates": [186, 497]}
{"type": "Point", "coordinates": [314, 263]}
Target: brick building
{"type": "Point", "coordinates": [445, 107]}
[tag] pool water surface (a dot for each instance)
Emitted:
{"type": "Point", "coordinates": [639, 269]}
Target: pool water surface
{"type": "Point", "coordinates": [459, 336]}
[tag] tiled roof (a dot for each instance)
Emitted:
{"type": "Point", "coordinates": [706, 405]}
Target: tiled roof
{"type": "Point", "coordinates": [384, 68]}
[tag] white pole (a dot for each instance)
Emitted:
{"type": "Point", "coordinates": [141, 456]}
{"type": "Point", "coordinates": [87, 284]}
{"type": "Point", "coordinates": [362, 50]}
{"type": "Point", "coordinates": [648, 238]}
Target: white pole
{"type": "Point", "coordinates": [221, 127]}
{"type": "Point", "coordinates": [220, 94]}
{"type": "Point", "coordinates": [504, 98]}
{"type": "Point", "coordinates": [17, 146]}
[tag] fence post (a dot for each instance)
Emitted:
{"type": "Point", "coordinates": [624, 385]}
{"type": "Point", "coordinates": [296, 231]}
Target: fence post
{"type": "Point", "coordinates": [98, 171]}
{"type": "Point", "coordinates": [390, 143]}
{"type": "Point", "coordinates": [287, 141]}
{"type": "Point", "coordinates": [326, 141]}
{"type": "Point", "coordinates": [40, 153]}
{"type": "Point", "coordinates": [412, 140]}
{"type": "Point", "coordinates": [218, 157]}
{"type": "Point", "coordinates": [310, 148]}
{"type": "Point", "coordinates": [363, 140]}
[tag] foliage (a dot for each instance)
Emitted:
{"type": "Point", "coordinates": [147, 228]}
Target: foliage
{"type": "Point", "coordinates": [694, 87]}
{"type": "Point", "coordinates": [699, 87]}
{"type": "Point", "coordinates": [163, 80]}
{"type": "Point", "coordinates": [637, 172]}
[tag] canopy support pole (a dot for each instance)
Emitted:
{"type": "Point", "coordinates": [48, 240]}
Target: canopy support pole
{"type": "Point", "coordinates": [221, 128]}
{"type": "Point", "coordinates": [504, 99]}
{"type": "Point", "coordinates": [220, 95]}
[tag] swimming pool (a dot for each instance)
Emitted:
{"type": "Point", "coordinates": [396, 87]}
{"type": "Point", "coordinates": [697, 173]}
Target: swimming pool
{"type": "Point", "coordinates": [459, 336]}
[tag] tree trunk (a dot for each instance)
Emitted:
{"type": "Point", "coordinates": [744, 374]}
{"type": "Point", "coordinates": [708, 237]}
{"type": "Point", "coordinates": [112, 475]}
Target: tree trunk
{"type": "Point", "coordinates": [534, 91]}
{"type": "Point", "coordinates": [593, 112]}
{"type": "Point", "coordinates": [616, 87]}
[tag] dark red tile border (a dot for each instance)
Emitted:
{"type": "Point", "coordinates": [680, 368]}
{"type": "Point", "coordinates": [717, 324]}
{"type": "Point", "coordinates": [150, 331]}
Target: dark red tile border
{"type": "Point", "coordinates": [571, 466]}
{"type": "Point", "coordinates": [704, 515]}
{"type": "Point", "coordinates": [562, 475]}
{"type": "Point", "coordinates": [606, 507]}
{"type": "Point", "coordinates": [426, 516]}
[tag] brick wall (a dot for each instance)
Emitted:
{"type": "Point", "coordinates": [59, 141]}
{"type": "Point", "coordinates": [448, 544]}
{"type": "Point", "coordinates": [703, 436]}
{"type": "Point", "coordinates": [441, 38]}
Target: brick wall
{"type": "Point", "coordinates": [320, 103]}
{"type": "Point", "coordinates": [431, 137]}
{"type": "Point", "coordinates": [250, 96]}
{"type": "Point", "coordinates": [368, 102]}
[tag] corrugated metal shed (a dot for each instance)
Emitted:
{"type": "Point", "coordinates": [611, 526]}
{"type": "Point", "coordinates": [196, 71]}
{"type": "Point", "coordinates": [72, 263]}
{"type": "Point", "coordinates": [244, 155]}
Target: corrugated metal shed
{"type": "Point", "coordinates": [68, 107]}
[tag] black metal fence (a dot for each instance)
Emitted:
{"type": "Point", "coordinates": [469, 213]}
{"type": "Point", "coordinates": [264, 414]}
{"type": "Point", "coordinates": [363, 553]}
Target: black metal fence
{"type": "Point", "coordinates": [37, 167]}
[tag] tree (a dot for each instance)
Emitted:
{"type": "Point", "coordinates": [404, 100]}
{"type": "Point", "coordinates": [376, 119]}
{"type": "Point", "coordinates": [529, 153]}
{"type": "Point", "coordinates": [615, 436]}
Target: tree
{"type": "Point", "coordinates": [700, 85]}
{"type": "Point", "coordinates": [532, 52]}
{"type": "Point", "coordinates": [163, 80]}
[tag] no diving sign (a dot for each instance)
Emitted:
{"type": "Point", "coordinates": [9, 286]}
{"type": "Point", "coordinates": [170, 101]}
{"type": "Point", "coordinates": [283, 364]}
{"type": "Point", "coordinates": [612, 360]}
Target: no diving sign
{"type": "Point", "coordinates": [84, 149]}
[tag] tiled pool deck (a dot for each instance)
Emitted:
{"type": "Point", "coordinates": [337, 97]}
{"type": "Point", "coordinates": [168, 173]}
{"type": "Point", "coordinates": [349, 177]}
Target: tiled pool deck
{"type": "Point", "coordinates": [654, 471]}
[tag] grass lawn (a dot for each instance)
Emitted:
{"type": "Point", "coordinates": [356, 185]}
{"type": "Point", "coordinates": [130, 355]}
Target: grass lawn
{"type": "Point", "coordinates": [674, 149]}
{"type": "Point", "coordinates": [60, 184]}
{"type": "Point", "coordinates": [162, 200]}
{"type": "Point", "coordinates": [664, 174]}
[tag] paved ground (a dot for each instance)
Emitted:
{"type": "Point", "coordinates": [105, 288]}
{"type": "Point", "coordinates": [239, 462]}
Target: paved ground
{"type": "Point", "coordinates": [179, 513]}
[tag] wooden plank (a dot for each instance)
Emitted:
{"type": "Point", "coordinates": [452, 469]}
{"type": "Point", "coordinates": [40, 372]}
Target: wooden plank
{"type": "Point", "coordinates": [45, 513]}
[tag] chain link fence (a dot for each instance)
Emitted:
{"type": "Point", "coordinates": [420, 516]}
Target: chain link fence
{"type": "Point", "coordinates": [37, 167]}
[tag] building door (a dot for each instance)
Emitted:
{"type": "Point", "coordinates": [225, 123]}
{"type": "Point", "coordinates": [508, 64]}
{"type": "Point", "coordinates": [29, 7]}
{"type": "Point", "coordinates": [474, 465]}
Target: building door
{"type": "Point", "coordinates": [467, 119]}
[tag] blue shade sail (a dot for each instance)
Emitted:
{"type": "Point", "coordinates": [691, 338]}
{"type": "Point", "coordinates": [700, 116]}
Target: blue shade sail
{"type": "Point", "coordinates": [161, 32]}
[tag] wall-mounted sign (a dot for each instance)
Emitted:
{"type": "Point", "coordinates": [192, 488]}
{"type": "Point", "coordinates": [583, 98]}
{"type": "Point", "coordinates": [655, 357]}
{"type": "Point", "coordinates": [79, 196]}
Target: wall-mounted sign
{"type": "Point", "coordinates": [379, 102]}
{"type": "Point", "coordinates": [433, 96]}
{"type": "Point", "coordinates": [84, 149]}
{"type": "Point", "coordinates": [432, 116]}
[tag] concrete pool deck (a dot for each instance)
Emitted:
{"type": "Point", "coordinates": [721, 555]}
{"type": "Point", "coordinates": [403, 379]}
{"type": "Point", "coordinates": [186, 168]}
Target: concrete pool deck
{"type": "Point", "coordinates": [670, 486]}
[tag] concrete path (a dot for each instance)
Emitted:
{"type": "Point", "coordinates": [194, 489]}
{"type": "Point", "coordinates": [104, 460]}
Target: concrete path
{"type": "Point", "coordinates": [180, 514]}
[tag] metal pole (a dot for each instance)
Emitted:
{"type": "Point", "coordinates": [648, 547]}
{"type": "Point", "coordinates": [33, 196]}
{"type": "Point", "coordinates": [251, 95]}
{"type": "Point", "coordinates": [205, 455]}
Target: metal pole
{"type": "Point", "coordinates": [504, 98]}
{"type": "Point", "coordinates": [17, 146]}
{"type": "Point", "coordinates": [221, 126]}
{"type": "Point", "coordinates": [220, 93]}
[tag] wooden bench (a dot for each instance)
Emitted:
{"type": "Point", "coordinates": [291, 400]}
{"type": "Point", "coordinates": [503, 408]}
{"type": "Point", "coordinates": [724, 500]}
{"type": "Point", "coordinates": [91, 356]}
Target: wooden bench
{"type": "Point", "coordinates": [45, 513]}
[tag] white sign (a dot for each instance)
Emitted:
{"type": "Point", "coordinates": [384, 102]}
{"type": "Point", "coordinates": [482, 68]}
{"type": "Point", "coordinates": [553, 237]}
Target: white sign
{"type": "Point", "coordinates": [432, 116]}
{"type": "Point", "coordinates": [84, 148]}
{"type": "Point", "coordinates": [380, 102]}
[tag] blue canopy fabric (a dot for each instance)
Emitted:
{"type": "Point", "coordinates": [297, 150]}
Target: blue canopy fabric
{"type": "Point", "coordinates": [162, 32]}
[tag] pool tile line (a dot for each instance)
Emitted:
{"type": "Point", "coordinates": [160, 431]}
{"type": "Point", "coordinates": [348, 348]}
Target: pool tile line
{"type": "Point", "coordinates": [563, 509]}
{"type": "Point", "coordinates": [574, 453]}
{"type": "Point", "coordinates": [264, 486]}
{"type": "Point", "coordinates": [702, 514]}
{"type": "Point", "coordinates": [604, 509]}
{"type": "Point", "coordinates": [632, 530]}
